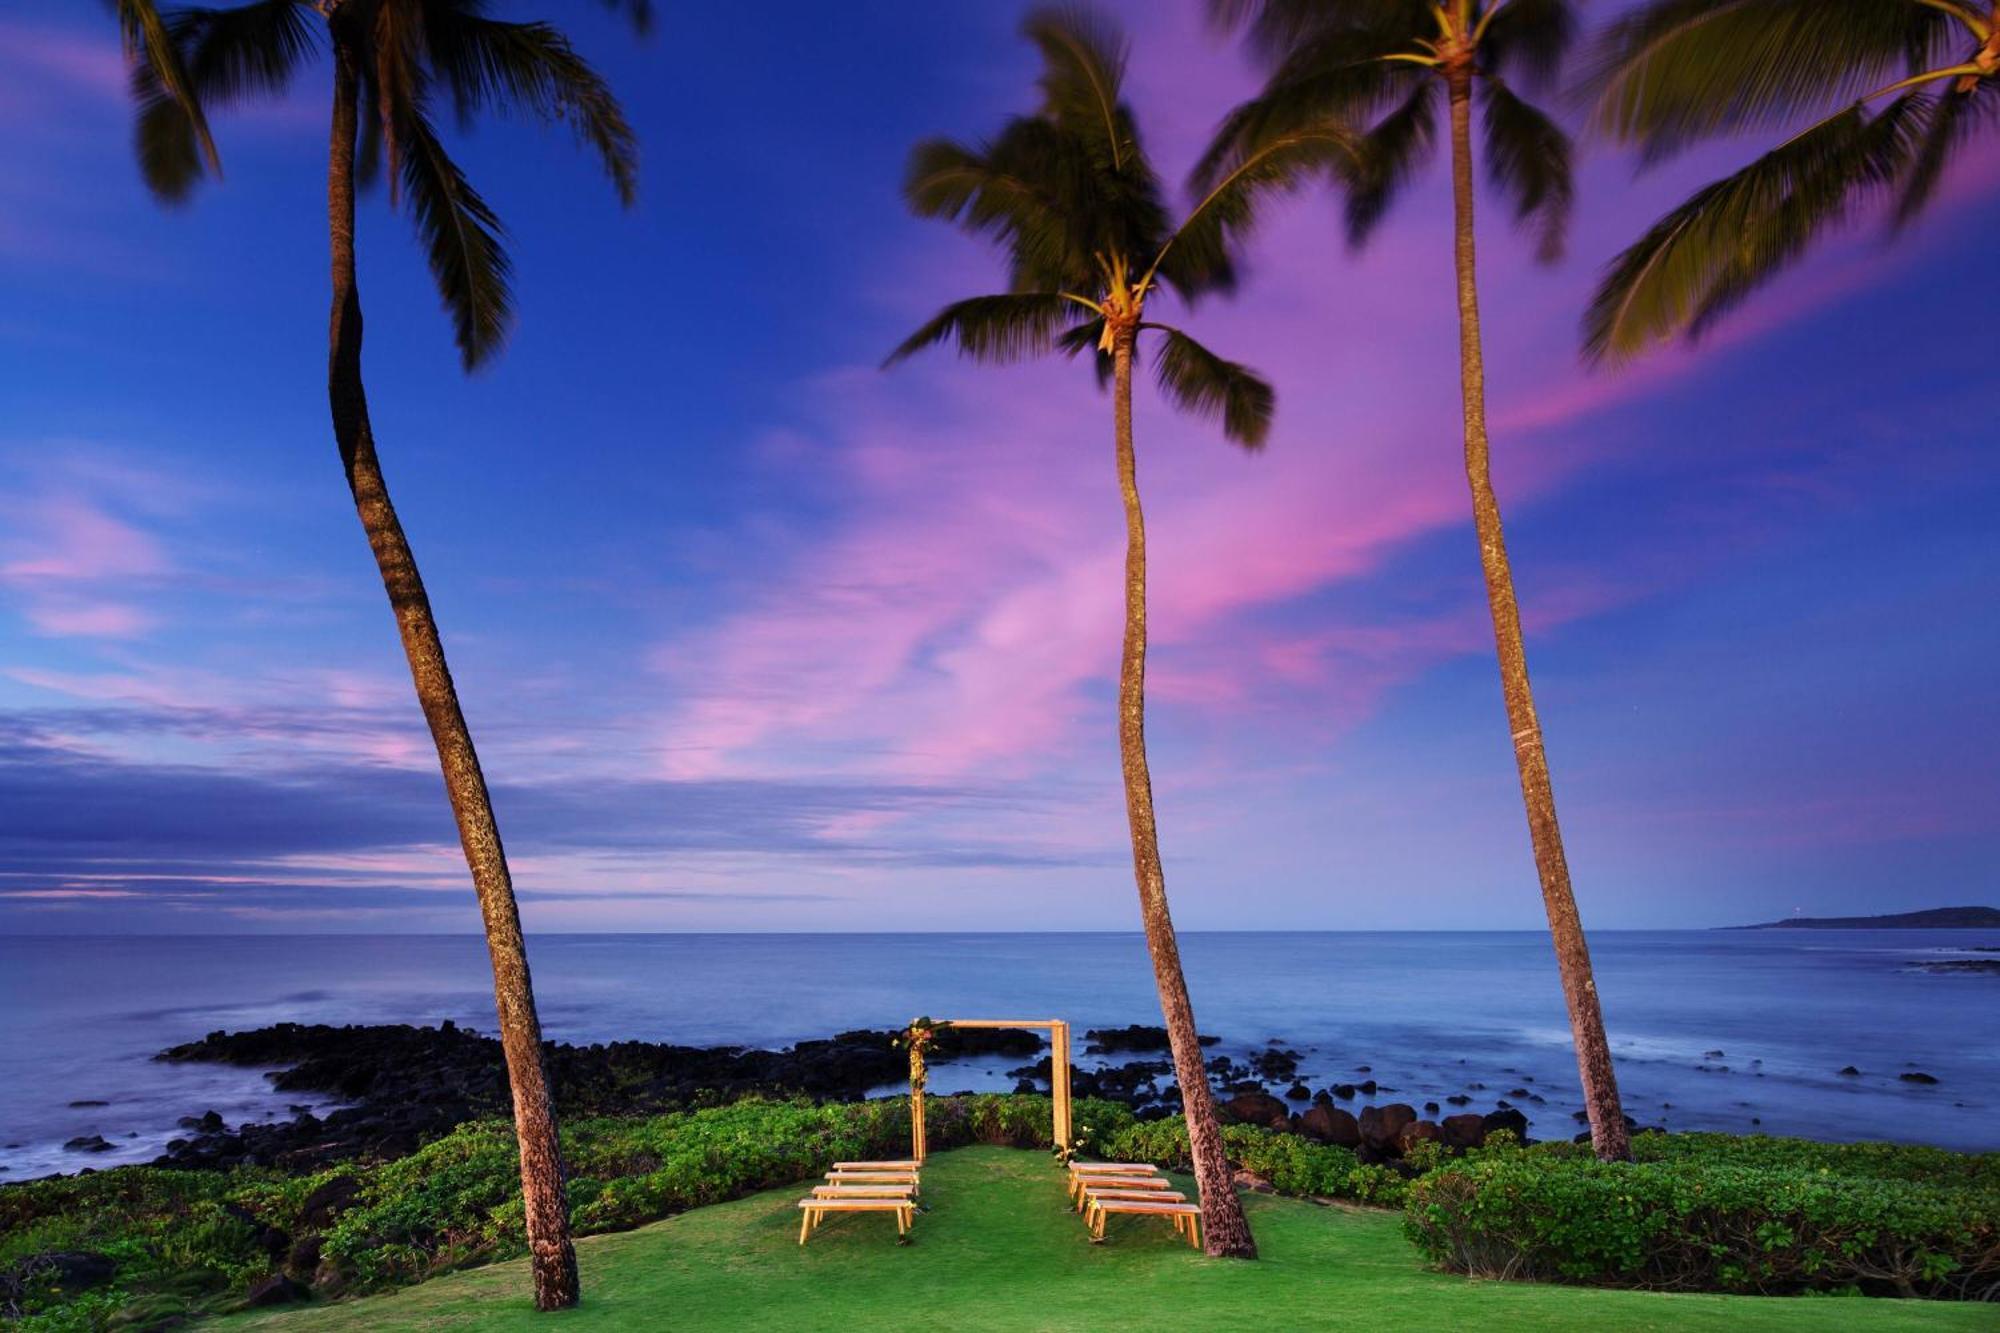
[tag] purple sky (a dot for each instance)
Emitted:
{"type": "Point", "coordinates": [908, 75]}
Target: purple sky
{"type": "Point", "coordinates": [756, 636]}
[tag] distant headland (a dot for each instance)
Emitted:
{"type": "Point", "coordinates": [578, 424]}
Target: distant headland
{"type": "Point", "coordinates": [1936, 918]}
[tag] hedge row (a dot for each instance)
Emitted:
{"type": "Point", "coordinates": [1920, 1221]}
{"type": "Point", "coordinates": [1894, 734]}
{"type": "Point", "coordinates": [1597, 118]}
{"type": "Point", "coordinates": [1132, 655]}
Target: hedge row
{"type": "Point", "coordinates": [1710, 1213]}
{"type": "Point", "coordinates": [1291, 1164]}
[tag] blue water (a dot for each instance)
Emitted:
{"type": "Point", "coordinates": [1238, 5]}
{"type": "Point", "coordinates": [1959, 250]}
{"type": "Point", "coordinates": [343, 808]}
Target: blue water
{"type": "Point", "coordinates": [1430, 1013]}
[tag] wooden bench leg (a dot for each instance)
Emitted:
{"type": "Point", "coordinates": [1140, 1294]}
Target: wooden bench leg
{"type": "Point", "coordinates": [1194, 1230]}
{"type": "Point", "coordinates": [805, 1224]}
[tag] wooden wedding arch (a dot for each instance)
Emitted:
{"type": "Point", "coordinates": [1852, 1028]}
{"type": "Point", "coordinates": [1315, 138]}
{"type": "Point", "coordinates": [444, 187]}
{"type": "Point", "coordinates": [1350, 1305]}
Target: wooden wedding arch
{"type": "Point", "coordinates": [917, 1037]}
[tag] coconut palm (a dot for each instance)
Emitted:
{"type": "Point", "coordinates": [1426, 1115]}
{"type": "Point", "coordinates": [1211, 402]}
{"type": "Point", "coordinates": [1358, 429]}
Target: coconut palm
{"type": "Point", "coordinates": [1885, 94]}
{"type": "Point", "coordinates": [392, 60]}
{"type": "Point", "coordinates": [1392, 62]}
{"type": "Point", "coordinates": [1071, 199]}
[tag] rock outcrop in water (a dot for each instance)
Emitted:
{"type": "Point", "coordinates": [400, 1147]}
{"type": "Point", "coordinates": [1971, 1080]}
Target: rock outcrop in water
{"type": "Point", "coordinates": [412, 1084]}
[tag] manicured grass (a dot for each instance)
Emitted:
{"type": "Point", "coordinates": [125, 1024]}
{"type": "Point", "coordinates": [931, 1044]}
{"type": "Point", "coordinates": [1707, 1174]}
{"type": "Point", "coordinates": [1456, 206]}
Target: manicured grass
{"type": "Point", "coordinates": [999, 1250]}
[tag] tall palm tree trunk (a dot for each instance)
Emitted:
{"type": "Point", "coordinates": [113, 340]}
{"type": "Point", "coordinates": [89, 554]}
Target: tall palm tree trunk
{"type": "Point", "coordinates": [1226, 1232]}
{"type": "Point", "coordinates": [1586, 1019]}
{"type": "Point", "coordinates": [542, 1186]}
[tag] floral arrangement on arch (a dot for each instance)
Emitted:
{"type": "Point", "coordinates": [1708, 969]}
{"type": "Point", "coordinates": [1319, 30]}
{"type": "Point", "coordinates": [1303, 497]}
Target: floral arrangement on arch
{"type": "Point", "coordinates": [917, 1039]}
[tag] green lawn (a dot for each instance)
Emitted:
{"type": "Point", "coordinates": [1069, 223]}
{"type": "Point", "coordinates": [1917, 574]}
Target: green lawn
{"type": "Point", "coordinates": [999, 1250]}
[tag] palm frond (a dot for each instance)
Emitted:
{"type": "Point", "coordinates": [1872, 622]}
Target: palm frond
{"type": "Point", "coordinates": [1391, 154]}
{"type": "Point", "coordinates": [1528, 158]}
{"type": "Point", "coordinates": [1730, 237]}
{"type": "Point", "coordinates": [148, 42]}
{"type": "Point", "coordinates": [225, 56]}
{"type": "Point", "coordinates": [462, 239]}
{"type": "Point", "coordinates": [1338, 76]}
{"type": "Point", "coordinates": [1004, 327]}
{"type": "Point", "coordinates": [1008, 191]}
{"type": "Point", "coordinates": [1087, 339]}
{"type": "Point", "coordinates": [1270, 26]}
{"type": "Point", "coordinates": [1083, 73]}
{"type": "Point", "coordinates": [1274, 28]}
{"type": "Point", "coordinates": [1198, 256]}
{"type": "Point", "coordinates": [1203, 383]}
{"type": "Point", "coordinates": [1951, 118]}
{"type": "Point", "coordinates": [1678, 71]}
{"type": "Point", "coordinates": [396, 77]}
{"type": "Point", "coordinates": [1530, 37]}
{"type": "Point", "coordinates": [488, 64]}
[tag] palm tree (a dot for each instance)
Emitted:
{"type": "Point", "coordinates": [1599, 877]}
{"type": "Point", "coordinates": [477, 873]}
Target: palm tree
{"type": "Point", "coordinates": [1347, 61]}
{"type": "Point", "coordinates": [394, 58]}
{"type": "Point", "coordinates": [1072, 201]}
{"type": "Point", "coordinates": [1895, 88]}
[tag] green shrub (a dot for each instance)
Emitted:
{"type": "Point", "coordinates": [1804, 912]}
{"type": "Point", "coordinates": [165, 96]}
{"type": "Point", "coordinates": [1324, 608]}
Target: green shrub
{"type": "Point", "coordinates": [1293, 1165]}
{"type": "Point", "coordinates": [1769, 1215]}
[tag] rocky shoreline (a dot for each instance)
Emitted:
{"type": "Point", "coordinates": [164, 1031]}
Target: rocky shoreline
{"type": "Point", "coordinates": [405, 1086]}
{"type": "Point", "coordinates": [398, 1086]}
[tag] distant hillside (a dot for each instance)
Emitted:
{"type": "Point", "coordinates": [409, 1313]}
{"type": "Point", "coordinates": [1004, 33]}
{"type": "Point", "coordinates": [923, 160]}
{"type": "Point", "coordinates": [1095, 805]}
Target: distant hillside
{"type": "Point", "coordinates": [1937, 918]}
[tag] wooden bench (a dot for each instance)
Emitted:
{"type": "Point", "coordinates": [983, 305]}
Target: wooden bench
{"type": "Point", "coordinates": [862, 1191]}
{"type": "Point", "coordinates": [1186, 1216]}
{"type": "Point", "coordinates": [1079, 1186]}
{"type": "Point", "coordinates": [814, 1211]}
{"type": "Point", "coordinates": [875, 1178]}
{"type": "Point", "coordinates": [1111, 1168]}
{"type": "Point", "coordinates": [1156, 1196]}
{"type": "Point", "coordinates": [877, 1166]}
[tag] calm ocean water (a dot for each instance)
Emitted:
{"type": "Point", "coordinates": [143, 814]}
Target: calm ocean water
{"type": "Point", "coordinates": [1431, 1013]}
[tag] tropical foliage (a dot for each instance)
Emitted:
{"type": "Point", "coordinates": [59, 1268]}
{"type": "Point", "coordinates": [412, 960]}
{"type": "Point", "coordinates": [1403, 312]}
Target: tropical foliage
{"type": "Point", "coordinates": [1879, 96]}
{"type": "Point", "coordinates": [412, 61]}
{"type": "Point", "coordinates": [193, 1241]}
{"type": "Point", "coordinates": [1392, 66]}
{"type": "Point", "coordinates": [1700, 1213]}
{"type": "Point", "coordinates": [1082, 219]}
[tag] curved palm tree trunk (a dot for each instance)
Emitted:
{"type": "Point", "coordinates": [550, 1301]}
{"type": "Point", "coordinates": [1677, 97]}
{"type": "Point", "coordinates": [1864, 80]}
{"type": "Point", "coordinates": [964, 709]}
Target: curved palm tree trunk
{"type": "Point", "coordinates": [1226, 1232]}
{"type": "Point", "coordinates": [520, 1030]}
{"type": "Point", "coordinates": [1586, 1018]}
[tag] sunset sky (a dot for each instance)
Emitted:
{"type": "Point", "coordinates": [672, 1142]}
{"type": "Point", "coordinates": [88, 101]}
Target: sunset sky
{"type": "Point", "coordinates": [755, 635]}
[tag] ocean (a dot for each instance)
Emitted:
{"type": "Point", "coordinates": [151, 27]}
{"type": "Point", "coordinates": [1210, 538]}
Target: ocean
{"type": "Point", "coordinates": [1745, 1031]}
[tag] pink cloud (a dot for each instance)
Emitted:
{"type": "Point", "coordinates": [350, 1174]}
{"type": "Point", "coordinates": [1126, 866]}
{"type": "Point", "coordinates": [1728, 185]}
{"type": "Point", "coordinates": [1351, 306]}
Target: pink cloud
{"type": "Point", "coordinates": [38, 63]}
{"type": "Point", "coordinates": [72, 564]}
{"type": "Point", "coordinates": [960, 612]}
{"type": "Point", "coordinates": [70, 539]}
{"type": "Point", "coordinates": [98, 620]}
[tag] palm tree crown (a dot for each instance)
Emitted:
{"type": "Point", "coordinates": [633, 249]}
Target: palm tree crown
{"type": "Point", "coordinates": [1088, 236]}
{"type": "Point", "coordinates": [1388, 62]}
{"type": "Point", "coordinates": [1899, 88]}
{"type": "Point", "coordinates": [410, 54]}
